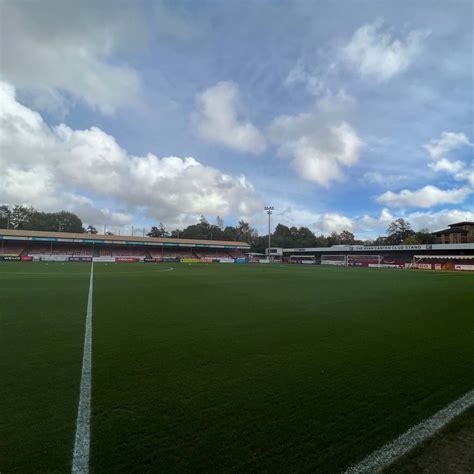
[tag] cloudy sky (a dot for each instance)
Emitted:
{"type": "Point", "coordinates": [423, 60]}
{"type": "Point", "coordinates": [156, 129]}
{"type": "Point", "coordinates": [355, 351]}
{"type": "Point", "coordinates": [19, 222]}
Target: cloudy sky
{"type": "Point", "coordinates": [343, 115]}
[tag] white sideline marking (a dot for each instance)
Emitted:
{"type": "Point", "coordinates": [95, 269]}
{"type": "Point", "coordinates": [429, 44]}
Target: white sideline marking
{"type": "Point", "coordinates": [386, 455]}
{"type": "Point", "coordinates": [80, 460]}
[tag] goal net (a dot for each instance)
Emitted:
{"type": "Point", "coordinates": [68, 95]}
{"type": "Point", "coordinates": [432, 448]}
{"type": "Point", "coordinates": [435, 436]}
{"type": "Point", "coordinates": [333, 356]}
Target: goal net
{"type": "Point", "coordinates": [309, 259]}
{"type": "Point", "coordinates": [443, 262]}
{"type": "Point", "coordinates": [364, 260]}
{"type": "Point", "coordinates": [339, 260]}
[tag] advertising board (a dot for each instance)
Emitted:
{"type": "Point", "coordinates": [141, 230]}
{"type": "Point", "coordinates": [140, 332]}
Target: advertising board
{"type": "Point", "coordinates": [53, 258]}
{"type": "Point", "coordinates": [80, 259]}
{"type": "Point", "coordinates": [383, 265]}
{"type": "Point", "coordinates": [464, 267]}
{"type": "Point", "coordinates": [190, 260]}
{"type": "Point", "coordinates": [126, 259]}
{"type": "Point", "coordinates": [104, 259]}
{"type": "Point", "coordinates": [423, 266]}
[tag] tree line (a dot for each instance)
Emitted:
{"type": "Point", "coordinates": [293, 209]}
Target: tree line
{"type": "Point", "coordinates": [398, 232]}
{"type": "Point", "coordinates": [28, 218]}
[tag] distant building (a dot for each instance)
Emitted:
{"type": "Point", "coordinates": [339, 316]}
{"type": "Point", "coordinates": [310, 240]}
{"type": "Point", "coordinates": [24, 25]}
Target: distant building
{"type": "Point", "coordinates": [459, 233]}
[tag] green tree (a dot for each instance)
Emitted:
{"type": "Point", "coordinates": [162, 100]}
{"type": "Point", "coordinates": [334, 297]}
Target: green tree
{"type": "Point", "coordinates": [159, 231]}
{"type": "Point", "coordinates": [321, 241]}
{"type": "Point", "coordinates": [424, 236]}
{"type": "Point", "coordinates": [380, 240]}
{"type": "Point", "coordinates": [346, 237]}
{"type": "Point", "coordinates": [28, 218]}
{"type": "Point", "coordinates": [64, 221]}
{"type": "Point", "coordinates": [411, 240]}
{"type": "Point", "coordinates": [5, 216]}
{"type": "Point", "coordinates": [282, 237]}
{"type": "Point", "coordinates": [333, 239]}
{"type": "Point", "coordinates": [230, 233]}
{"type": "Point", "coordinates": [245, 232]}
{"type": "Point", "coordinates": [91, 229]}
{"type": "Point", "coordinates": [398, 231]}
{"type": "Point", "coordinates": [20, 217]}
{"type": "Point", "coordinates": [304, 238]}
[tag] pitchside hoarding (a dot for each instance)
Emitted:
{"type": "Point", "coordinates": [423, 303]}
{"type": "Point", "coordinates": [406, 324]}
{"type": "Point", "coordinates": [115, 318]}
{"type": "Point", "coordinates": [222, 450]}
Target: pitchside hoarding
{"type": "Point", "coordinates": [104, 259]}
{"type": "Point", "coordinates": [464, 267]}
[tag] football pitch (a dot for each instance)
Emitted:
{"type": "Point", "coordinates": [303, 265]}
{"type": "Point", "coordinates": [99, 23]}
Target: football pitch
{"type": "Point", "coordinates": [226, 368]}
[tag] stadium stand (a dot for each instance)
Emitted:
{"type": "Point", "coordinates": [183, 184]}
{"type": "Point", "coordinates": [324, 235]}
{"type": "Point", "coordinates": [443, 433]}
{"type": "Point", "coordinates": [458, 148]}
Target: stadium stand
{"type": "Point", "coordinates": [11, 249]}
{"type": "Point", "coordinates": [39, 244]}
{"type": "Point", "coordinates": [180, 253]}
{"type": "Point", "coordinates": [212, 253]}
{"type": "Point", "coordinates": [71, 250]}
{"type": "Point", "coordinates": [236, 253]}
{"type": "Point", "coordinates": [19, 245]}
{"type": "Point", "coordinates": [121, 252]}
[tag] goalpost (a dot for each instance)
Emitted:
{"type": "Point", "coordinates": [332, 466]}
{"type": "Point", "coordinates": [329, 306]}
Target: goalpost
{"type": "Point", "coordinates": [339, 260]}
{"type": "Point", "coordinates": [364, 260]}
{"type": "Point", "coordinates": [443, 262]}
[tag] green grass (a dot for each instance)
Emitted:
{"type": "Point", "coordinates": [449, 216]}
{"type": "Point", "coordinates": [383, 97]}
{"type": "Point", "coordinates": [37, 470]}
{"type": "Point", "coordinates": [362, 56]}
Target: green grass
{"type": "Point", "coordinates": [227, 368]}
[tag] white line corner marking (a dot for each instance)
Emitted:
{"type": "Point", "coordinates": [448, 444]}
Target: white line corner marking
{"type": "Point", "coordinates": [386, 455]}
{"type": "Point", "coordinates": [80, 460]}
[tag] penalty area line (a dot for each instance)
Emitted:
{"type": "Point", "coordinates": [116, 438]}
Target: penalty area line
{"type": "Point", "coordinates": [386, 455]}
{"type": "Point", "coordinates": [80, 458]}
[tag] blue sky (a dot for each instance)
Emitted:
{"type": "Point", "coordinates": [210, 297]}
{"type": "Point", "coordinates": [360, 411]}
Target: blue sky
{"type": "Point", "coordinates": [343, 115]}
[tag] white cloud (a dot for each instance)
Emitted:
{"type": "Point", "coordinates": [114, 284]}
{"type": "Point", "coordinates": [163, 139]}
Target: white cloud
{"type": "Point", "coordinates": [382, 178]}
{"type": "Point", "coordinates": [374, 177]}
{"type": "Point", "coordinates": [376, 54]}
{"type": "Point", "coordinates": [53, 168]}
{"type": "Point", "coordinates": [371, 226]}
{"type": "Point", "coordinates": [332, 222]}
{"type": "Point", "coordinates": [425, 197]}
{"type": "Point", "coordinates": [458, 169]}
{"type": "Point", "coordinates": [365, 226]}
{"type": "Point", "coordinates": [300, 74]}
{"type": "Point", "coordinates": [446, 165]}
{"type": "Point", "coordinates": [67, 55]}
{"type": "Point", "coordinates": [325, 223]}
{"type": "Point", "coordinates": [439, 147]}
{"type": "Point", "coordinates": [320, 142]}
{"type": "Point", "coordinates": [218, 120]}
{"type": "Point", "coordinates": [430, 196]}
{"type": "Point", "coordinates": [466, 174]}
{"type": "Point", "coordinates": [439, 220]}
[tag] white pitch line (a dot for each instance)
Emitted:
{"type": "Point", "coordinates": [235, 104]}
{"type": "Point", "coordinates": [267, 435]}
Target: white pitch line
{"type": "Point", "coordinates": [80, 460]}
{"type": "Point", "coordinates": [386, 455]}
